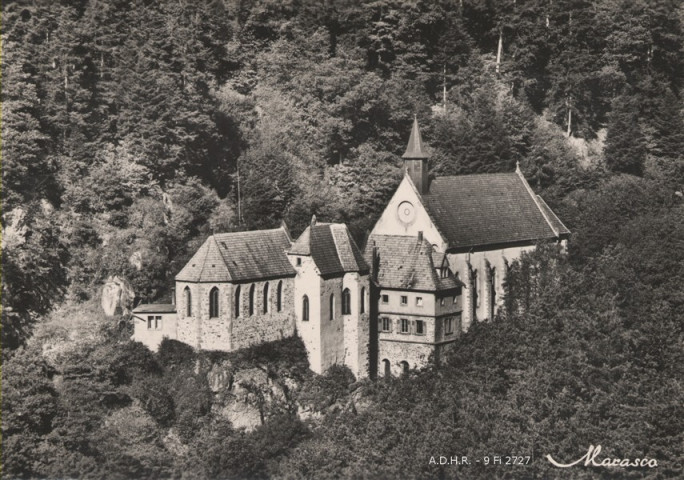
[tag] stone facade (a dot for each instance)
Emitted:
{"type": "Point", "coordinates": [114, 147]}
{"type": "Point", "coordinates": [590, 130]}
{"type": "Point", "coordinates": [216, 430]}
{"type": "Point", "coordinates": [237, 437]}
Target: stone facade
{"type": "Point", "coordinates": [479, 266]}
{"type": "Point", "coordinates": [399, 338]}
{"type": "Point", "coordinates": [226, 331]}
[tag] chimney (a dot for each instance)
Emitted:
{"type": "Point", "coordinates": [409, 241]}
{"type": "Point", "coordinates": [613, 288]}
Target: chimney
{"type": "Point", "coordinates": [415, 159]}
{"type": "Point", "coordinates": [313, 220]}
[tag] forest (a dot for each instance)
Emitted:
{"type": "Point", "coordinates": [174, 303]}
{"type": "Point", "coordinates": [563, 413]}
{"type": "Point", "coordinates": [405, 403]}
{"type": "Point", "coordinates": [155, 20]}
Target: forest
{"type": "Point", "coordinates": [133, 129]}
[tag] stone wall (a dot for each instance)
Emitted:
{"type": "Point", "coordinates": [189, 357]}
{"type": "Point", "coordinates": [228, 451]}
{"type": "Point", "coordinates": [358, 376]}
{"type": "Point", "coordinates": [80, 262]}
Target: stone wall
{"type": "Point", "coordinates": [226, 332]}
{"type": "Point", "coordinates": [464, 264]}
{"type": "Point", "coordinates": [417, 355]}
{"type": "Point", "coordinates": [264, 326]}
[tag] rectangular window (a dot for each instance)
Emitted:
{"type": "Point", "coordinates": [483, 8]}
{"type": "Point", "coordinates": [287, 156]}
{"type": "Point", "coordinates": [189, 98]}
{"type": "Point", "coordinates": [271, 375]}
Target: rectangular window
{"type": "Point", "coordinates": [420, 327]}
{"type": "Point", "coordinates": [442, 301]}
{"type": "Point", "coordinates": [154, 322]}
{"type": "Point", "coordinates": [299, 261]}
{"type": "Point", "coordinates": [448, 326]}
{"type": "Point", "coordinates": [385, 299]}
{"type": "Point", "coordinates": [386, 324]}
{"type": "Point", "coordinates": [404, 300]}
{"type": "Point", "coordinates": [455, 299]}
{"type": "Point", "coordinates": [404, 325]}
{"type": "Point", "coordinates": [419, 301]}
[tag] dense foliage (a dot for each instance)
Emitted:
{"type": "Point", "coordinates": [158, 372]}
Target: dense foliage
{"type": "Point", "coordinates": [133, 129]}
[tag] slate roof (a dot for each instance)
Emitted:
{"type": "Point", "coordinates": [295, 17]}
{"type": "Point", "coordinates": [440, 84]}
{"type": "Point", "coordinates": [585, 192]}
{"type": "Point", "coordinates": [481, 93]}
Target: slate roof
{"type": "Point", "coordinates": [155, 308]}
{"type": "Point", "coordinates": [414, 149]}
{"type": "Point", "coordinates": [553, 219]}
{"type": "Point", "coordinates": [489, 209]}
{"type": "Point", "coordinates": [332, 248]}
{"type": "Point", "coordinates": [406, 263]}
{"type": "Point", "coordinates": [239, 257]}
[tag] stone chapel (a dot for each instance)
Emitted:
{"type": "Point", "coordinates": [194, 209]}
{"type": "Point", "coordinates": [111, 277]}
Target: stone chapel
{"type": "Point", "coordinates": [435, 260]}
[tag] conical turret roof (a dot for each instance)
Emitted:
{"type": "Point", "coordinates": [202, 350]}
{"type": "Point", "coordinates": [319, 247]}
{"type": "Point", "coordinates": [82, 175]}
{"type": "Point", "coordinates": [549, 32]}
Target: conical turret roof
{"type": "Point", "coordinates": [414, 148]}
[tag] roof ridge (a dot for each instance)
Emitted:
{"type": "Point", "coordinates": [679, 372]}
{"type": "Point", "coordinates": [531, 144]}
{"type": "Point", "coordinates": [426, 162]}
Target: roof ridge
{"type": "Point", "coordinates": [477, 175]}
{"type": "Point", "coordinates": [206, 254]}
{"type": "Point", "coordinates": [250, 231]}
{"type": "Point", "coordinates": [337, 247]}
{"type": "Point", "coordinates": [536, 202]}
{"type": "Point", "coordinates": [431, 264]}
{"type": "Point", "coordinates": [223, 258]}
{"type": "Point", "coordinates": [554, 214]}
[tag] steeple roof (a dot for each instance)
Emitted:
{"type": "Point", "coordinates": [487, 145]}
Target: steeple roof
{"type": "Point", "coordinates": [414, 149]}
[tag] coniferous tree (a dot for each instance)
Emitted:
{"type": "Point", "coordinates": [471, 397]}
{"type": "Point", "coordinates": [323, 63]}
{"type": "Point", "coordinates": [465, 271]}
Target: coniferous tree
{"type": "Point", "coordinates": [625, 144]}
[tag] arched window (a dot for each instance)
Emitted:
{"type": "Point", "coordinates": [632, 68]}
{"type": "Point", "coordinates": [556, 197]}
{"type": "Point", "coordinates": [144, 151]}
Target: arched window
{"type": "Point", "coordinates": [188, 301]}
{"type": "Point", "coordinates": [267, 298]}
{"type": "Point", "coordinates": [346, 302]}
{"type": "Point", "coordinates": [332, 306]}
{"type": "Point", "coordinates": [214, 303]}
{"type": "Point", "coordinates": [492, 291]}
{"type": "Point", "coordinates": [475, 296]}
{"type": "Point", "coordinates": [237, 301]}
{"type": "Point", "coordinates": [279, 296]}
{"type": "Point", "coordinates": [387, 368]}
{"type": "Point", "coordinates": [404, 367]}
{"type": "Point", "coordinates": [362, 308]}
{"type": "Point", "coordinates": [251, 300]}
{"type": "Point", "coordinates": [305, 309]}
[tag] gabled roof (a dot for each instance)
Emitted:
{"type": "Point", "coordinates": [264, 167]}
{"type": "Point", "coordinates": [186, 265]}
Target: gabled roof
{"type": "Point", "coordinates": [414, 149]}
{"type": "Point", "coordinates": [332, 248]}
{"type": "Point", "coordinates": [489, 209]}
{"type": "Point", "coordinates": [155, 308]}
{"type": "Point", "coordinates": [406, 263]}
{"type": "Point", "coordinates": [239, 257]}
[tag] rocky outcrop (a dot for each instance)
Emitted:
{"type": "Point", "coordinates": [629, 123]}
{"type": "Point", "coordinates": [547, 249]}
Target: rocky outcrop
{"type": "Point", "coordinates": [248, 396]}
{"type": "Point", "coordinates": [117, 296]}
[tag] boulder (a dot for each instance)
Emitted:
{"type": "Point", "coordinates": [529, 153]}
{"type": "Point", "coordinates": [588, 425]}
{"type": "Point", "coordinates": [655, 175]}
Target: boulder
{"type": "Point", "coordinates": [249, 380]}
{"type": "Point", "coordinates": [117, 296]}
{"type": "Point", "coordinates": [136, 260]}
{"type": "Point", "coordinates": [242, 414]}
{"type": "Point", "coordinates": [14, 233]}
{"type": "Point", "coordinates": [220, 377]}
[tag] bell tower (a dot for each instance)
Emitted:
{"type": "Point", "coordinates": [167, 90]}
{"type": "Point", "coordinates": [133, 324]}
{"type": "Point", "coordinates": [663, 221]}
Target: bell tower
{"type": "Point", "coordinates": [415, 159]}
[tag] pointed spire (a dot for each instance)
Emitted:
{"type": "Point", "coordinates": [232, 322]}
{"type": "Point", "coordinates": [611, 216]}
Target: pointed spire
{"type": "Point", "coordinates": [415, 143]}
{"type": "Point", "coordinates": [517, 166]}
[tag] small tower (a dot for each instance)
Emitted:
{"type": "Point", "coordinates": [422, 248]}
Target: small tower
{"type": "Point", "coordinates": [415, 160]}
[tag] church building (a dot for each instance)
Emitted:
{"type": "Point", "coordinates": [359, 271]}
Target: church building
{"type": "Point", "coordinates": [434, 262]}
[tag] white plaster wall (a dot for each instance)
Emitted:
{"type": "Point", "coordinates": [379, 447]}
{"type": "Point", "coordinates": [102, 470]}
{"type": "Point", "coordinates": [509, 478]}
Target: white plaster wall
{"type": "Point", "coordinates": [308, 282]}
{"type": "Point", "coordinates": [152, 338]}
{"type": "Point", "coordinates": [356, 326]}
{"type": "Point", "coordinates": [389, 223]}
{"type": "Point", "coordinates": [332, 331]}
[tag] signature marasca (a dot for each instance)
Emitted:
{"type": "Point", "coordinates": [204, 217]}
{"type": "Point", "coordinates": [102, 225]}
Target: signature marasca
{"type": "Point", "coordinates": [590, 460]}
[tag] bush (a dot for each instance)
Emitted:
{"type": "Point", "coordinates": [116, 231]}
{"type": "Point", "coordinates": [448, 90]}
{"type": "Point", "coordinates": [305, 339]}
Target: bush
{"type": "Point", "coordinates": [173, 353]}
{"type": "Point", "coordinates": [154, 397]}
